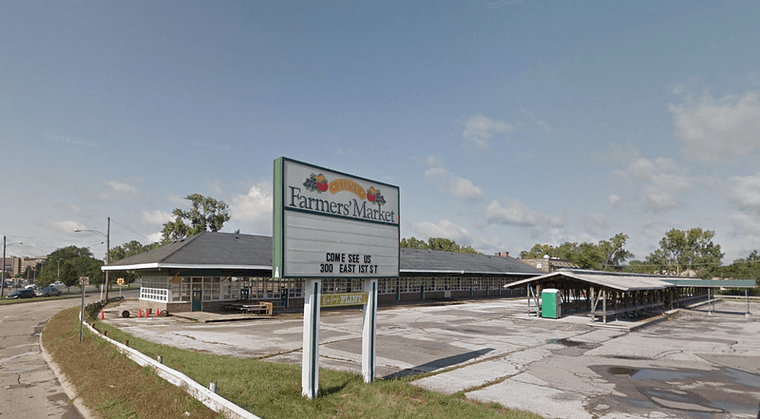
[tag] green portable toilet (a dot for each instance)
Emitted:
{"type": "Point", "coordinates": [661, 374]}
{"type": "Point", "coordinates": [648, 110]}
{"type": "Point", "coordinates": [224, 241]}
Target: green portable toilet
{"type": "Point", "coordinates": [551, 308]}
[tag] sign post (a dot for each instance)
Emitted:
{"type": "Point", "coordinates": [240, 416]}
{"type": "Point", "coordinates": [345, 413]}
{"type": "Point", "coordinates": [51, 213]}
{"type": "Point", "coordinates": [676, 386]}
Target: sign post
{"type": "Point", "coordinates": [83, 282]}
{"type": "Point", "coordinates": [331, 225]}
{"type": "Point", "coordinates": [369, 331]}
{"type": "Point", "coordinates": [310, 361]}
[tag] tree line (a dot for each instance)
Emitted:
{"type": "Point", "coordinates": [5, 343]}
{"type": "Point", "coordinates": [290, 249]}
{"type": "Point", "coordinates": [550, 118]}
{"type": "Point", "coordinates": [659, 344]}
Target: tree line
{"type": "Point", "coordinates": [679, 251]}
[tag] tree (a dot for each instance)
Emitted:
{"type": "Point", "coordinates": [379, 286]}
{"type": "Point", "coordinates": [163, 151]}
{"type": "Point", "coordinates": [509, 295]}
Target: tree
{"type": "Point", "coordinates": [205, 213]}
{"type": "Point", "coordinates": [437, 243]}
{"type": "Point", "coordinates": [69, 264]}
{"type": "Point", "coordinates": [743, 268]}
{"type": "Point", "coordinates": [126, 250]}
{"type": "Point", "coordinates": [681, 250]}
{"type": "Point", "coordinates": [614, 251]}
{"type": "Point", "coordinates": [537, 251]}
{"type": "Point", "coordinates": [413, 243]}
{"type": "Point", "coordinates": [605, 255]}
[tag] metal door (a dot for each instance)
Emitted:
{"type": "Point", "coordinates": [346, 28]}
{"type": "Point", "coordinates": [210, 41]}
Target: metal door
{"type": "Point", "coordinates": [197, 303]}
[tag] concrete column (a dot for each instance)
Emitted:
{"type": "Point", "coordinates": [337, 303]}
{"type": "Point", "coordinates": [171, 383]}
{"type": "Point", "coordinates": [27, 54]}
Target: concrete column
{"type": "Point", "coordinates": [310, 361]}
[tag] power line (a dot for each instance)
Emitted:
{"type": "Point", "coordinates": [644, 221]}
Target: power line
{"type": "Point", "coordinates": [129, 229]}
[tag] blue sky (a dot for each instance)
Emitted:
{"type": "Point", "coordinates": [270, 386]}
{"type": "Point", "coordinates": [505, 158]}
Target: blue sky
{"type": "Point", "coordinates": [504, 123]}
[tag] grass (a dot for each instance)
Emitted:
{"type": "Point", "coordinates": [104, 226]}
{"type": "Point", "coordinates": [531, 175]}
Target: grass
{"type": "Point", "coordinates": [108, 382]}
{"type": "Point", "coordinates": [271, 390]}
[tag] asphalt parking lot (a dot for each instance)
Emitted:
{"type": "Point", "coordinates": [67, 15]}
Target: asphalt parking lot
{"type": "Point", "coordinates": [696, 364]}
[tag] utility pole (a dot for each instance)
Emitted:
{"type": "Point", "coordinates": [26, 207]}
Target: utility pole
{"type": "Point", "coordinates": [108, 253]}
{"type": "Point", "coordinates": [108, 247]}
{"type": "Point", "coordinates": [2, 287]}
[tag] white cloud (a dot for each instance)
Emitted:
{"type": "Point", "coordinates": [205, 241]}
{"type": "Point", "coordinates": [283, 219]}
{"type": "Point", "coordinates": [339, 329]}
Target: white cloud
{"type": "Point", "coordinates": [446, 229]}
{"type": "Point", "coordinates": [479, 130]}
{"type": "Point", "coordinates": [744, 192]}
{"type": "Point", "coordinates": [464, 188]}
{"type": "Point", "coordinates": [614, 200]}
{"type": "Point", "coordinates": [117, 189]}
{"type": "Point", "coordinates": [254, 208]}
{"type": "Point", "coordinates": [443, 228]}
{"type": "Point", "coordinates": [661, 180]}
{"type": "Point", "coordinates": [722, 130]}
{"type": "Point", "coordinates": [156, 217]}
{"type": "Point", "coordinates": [594, 222]}
{"type": "Point", "coordinates": [66, 226]}
{"type": "Point", "coordinates": [543, 125]}
{"type": "Point", "coordinates": [155, 237]}
{"type": "Point", "coordinates": [435, 172]}
{"type": "Point", "coordinates": [517, 213]}
{"type": "Point", "coordinates": [450, 184]}
{"type": "Point", "coordinates": [746, 223]}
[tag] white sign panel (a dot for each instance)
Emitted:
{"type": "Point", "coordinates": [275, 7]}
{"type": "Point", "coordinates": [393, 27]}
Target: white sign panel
{"type": "Point", "coordinates": [334, 224]}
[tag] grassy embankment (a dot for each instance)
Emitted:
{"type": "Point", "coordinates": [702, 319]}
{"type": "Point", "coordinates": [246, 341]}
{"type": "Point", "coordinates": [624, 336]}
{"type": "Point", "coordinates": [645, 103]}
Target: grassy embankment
{"type": "Point", "coordinates": [267, 389]}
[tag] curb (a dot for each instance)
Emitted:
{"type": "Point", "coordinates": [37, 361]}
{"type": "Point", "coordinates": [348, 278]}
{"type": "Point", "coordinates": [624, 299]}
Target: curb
{"type": "Point", "coordinates": [68, 388]}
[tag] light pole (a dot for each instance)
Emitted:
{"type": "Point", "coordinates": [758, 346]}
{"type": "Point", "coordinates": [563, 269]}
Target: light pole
{"type": "Point", "coordinates": [107, 235]}
{"type": "Point", "coordinates": [2, 287]}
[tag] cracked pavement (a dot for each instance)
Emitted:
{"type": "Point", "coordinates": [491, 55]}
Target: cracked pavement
{"type": "Point", "coordinates": [695, 365]}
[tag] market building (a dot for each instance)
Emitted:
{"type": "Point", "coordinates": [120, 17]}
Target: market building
{"type": "Point", "coordinates": [208, 270]}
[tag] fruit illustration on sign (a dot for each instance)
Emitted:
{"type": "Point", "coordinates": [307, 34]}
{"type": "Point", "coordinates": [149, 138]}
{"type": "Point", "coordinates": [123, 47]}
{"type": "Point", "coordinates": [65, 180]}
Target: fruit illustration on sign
{"type": "Point", "coordinates": [374, 195]}
{"type": "Point", "coordinates": [316, 183]}
{"type": "Point", "coordinates": [321, 183]}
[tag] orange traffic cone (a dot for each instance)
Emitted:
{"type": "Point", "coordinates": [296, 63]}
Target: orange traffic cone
{"type": "Point", "coordinates": [158, 311]}
{"type": "Point", "coordinates": [139, 312]}
{"type": "Point", "coordinates": [102, 315]}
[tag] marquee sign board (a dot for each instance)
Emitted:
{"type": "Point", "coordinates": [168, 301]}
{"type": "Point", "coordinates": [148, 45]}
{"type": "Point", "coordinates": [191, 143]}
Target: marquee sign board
{"type": "Point", "coordinates": [329, 224]}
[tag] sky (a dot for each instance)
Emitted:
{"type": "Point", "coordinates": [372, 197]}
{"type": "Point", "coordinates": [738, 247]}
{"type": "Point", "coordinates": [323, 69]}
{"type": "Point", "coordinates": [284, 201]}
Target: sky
{"type": "Point", "coordinates": [504, 123]}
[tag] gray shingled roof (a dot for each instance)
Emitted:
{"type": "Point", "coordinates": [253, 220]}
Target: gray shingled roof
{"type": "Point", "coordinates": [434, 261]}
{"type": "Point", "coordinates": [205, 250]}
{"type": "Point", "coordinates": [626, 281]}
{"type": "Point", "coordinates": [245, 251]}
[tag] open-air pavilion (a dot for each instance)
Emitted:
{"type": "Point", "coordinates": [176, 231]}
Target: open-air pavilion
{"type": "Point", "coordinates": [611, 294]}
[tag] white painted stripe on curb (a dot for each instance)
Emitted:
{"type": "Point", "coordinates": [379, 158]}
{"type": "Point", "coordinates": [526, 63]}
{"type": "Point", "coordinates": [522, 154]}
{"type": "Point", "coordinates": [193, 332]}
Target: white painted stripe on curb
{"type": "Point", "coordinates": [214, 401]}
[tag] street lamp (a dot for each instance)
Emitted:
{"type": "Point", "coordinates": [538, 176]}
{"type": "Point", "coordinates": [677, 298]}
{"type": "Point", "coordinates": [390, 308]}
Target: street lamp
{"type": "Point", "coordinates": [2, 287]}
{"type": "Point", "coordinates": [107, 235]}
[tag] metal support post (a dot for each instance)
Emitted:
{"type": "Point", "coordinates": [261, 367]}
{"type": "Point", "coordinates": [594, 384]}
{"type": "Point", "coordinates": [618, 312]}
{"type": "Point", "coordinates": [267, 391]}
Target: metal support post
{"type": "Point", "coordinates": [369, 331]}
{"type": "Point", "coordinates": [310, 360]}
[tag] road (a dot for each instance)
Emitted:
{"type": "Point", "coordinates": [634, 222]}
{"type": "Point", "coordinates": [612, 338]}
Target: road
{"type": "Point", "coordinates": [28, 387]}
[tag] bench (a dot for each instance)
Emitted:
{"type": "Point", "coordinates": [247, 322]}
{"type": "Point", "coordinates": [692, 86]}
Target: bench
{"type": "Point", "coordinates": [259, 308]}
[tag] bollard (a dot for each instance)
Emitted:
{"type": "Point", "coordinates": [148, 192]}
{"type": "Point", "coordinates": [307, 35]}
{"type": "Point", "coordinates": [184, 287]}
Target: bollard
{"type": "Point", "coordinates": [105, 333]}
{"type": "Point", "coordinates": [160, 359]}
{"type": "Point", "coordinates": [212, 386]}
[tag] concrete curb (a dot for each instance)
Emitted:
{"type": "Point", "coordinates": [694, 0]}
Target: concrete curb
{"type": "Point", "coordinates": [68, 388]}
{"type": "Point", "coordinates": [214, 401]}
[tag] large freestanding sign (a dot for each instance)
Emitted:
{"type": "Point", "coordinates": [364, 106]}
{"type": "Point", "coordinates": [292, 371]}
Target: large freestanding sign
{"type": "Point", "coordinates": [329, 224]}
{"type": "Point", "coordinates": [333, 224]}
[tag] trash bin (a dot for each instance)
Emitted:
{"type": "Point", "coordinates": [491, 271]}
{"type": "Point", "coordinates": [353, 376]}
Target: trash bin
{"type": "Point", "coordinates": [551, 307]}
